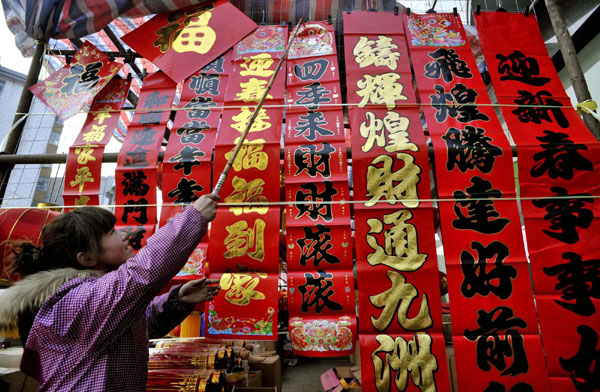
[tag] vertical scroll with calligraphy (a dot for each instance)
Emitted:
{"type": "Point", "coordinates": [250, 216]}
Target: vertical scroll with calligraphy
{"type": "Point", "coordinates": [402, 346]}
{"type": "Point", "coordinates": [558, 162]}
{"type": "Point", "coordinates": [321, 295]}
{"type": "Point", "coordinates": [135, 177]}
{"type": "Point", "coordinates": [84, 163]}
{"type": "Point", "coordinates": [494, 323]}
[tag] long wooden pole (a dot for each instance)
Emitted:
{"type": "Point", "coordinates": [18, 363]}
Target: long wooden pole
{"type": "Point", "coordinates": [236, 150]}
{"type": "Point", "coordinates": [582, 93]}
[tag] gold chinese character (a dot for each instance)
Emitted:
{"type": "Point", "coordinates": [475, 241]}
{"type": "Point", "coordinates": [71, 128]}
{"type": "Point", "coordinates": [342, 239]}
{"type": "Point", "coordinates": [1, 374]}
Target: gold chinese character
{"type": "Point", "coordinates": [83, 175]}
{"type": "Point", "coordinates": [243, 118]}
{"type": "Point", "coordinates": [257, 65]}
{"type": "Point", "coordinates": [96, 134]}
{"type": "Point", "coordinates": [393, 186]}
{"type": "Point", "coordinates": [374, 130]}
{"type": "Point", "coordinates": [404, 357]}
{"type": "Point", "coordinates": [247, 192]}
{"type": "Point", "coordinates": [243, 240]}
{"type": "Point", "coordinates": [103, 114]}
{"type": "Point", "coordinates": [399, 297]}
{"type": "Point", "coordinates": [252, 90]}
{"type": "Point", "coordinates": [380, 89]}
{"type": "Point", "coordinates": [82, 200]}
{"type": "Point", "coordinates": [401, 248]}
{"type": "Point", "coordinates": [240, 287]}
{"type": "Point", "coordinates": [84, 153]}
{"type": "Point", "coordinates": [197, 36]}
{"type": "Point", "coordinates": [251, 155]}
{"type": "Point", "coordinates": [380, 53]}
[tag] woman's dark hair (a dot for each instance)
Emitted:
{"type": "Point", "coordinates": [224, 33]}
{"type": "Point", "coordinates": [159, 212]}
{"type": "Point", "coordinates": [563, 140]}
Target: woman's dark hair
{"type": "Point", "coordinates": [68, 234]}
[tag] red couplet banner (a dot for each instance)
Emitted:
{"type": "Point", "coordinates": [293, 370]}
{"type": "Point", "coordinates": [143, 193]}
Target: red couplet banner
{"type": "Point", "coordinates": [558, 161]}
{"type": "Point", "coordinates": [182, 42]}
{"type": "Point", "coordinates": [136, 176]}
{"type": "Point", "coordinates": [494, 324]}
{"type": "Point", "coordinates": [401, 342]}
{"type": "Point", "coordinates": [83, 170]}
{"type": "Point", "coordinates": [73, 87]}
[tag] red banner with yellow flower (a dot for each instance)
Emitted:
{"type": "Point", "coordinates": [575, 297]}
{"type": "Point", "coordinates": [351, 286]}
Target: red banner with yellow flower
{"type": "Point", "coordinates": [401, 341]}
{"type": "Point", "coordinates": [72, 88]}
{"type": "Point", "coordinates": [135, 176]}
{"type": "Point", "coordinates": [494, 323]}
{"type": "Point", "coordinates": [321, 296]}
{"type": "Point", "coordinates": [183, 41]}
{"type": "Point", "coordinates": [558, 177]}
{"type": "Point", "coordinates": [83, 170]}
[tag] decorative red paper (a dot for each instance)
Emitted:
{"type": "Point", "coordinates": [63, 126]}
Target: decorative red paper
{"type": "Point", "coordinates": [246, 307]}
{"type": "Point", "coordinates": [186, 40]}
{"type": "Point", "coordinates": [319, 293]}
{"type": "Point", "coordinates": [319, 246]}
{"type": "Point", "coordinates": [72, 88]}
{"type": "Point", "coordinates": [494, 327]}
{"type": "Point", "coordinates": [323, 336]}
{"type": "Point", "coordinates": [317, 203]}
{"type": "Point", "coordinates": [558, 179]}
{"type": "Point", "coordinates": [315, 161]}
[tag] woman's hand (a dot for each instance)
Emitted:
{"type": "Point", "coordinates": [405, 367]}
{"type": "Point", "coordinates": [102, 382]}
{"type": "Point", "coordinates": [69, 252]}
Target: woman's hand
{"type": "Point", "coordinates": [207, 205]}
{"type": "Point", "coordinates": [199, 290]}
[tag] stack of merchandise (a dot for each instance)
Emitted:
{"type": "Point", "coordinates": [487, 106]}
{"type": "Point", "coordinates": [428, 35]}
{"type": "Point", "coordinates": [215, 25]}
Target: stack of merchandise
{"type": "Point", "coordinates": [197, 364]}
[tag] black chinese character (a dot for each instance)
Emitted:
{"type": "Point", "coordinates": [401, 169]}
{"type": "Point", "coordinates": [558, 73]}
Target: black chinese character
{"type": "Point", "coordinates": [165, 33]}
{"type": "Point", "coordinates": [517, 67]}
{"type": "Point", "coordinates": [192, 132]}
{"type": "Point", "coordinates": [199, 107]}
{"type": "Point", "coordinates": [155, 100]}
{"type": "Point", "coordinates": [81, 78]}
{"type": "Point", "coordinates": [469, 148]}
{"type": "Point", "coordinates": [312, 96]}
{"type": "Point", "coordinates": [479, 211]}
{"type": "Point", "coordinates": [311, 70]}
{"type": "Point", "coordinates": [136, 207]}
{"type": "Point", "coordinates": [143, 137]}
{"type": "Point", "coordinates": [459, 104]}
{"type": "Point", "coordinates": [579, 281]}
{"type": "Point", "coordinates": [519, 387]}
{"type": "Point", "coordinates": [315, 246]}
{"type": "Point", "coordinates": [559, 156]}
{"type": "Point", "coordinates": [134, 236]}
{"type": "Point", "coordinates": [316, 291]}
{"type": "Point", "coordinates": [185, 191]}
{"type": "Point", "coordinates": [310, 126]}
{"type": "Point", "coordinates": [535, 110]}
{"type": "Point", "coordinates": [565, 213]}
{"type": "Point", "coordinates": [134, 184]}
{"type": "Point", "coordinates": [215, 66]}
{"type": "Point", "coordinates": [585, 364]}
{"type": "Point", "coordinates": [492, 349]}
{"type": "Point", "coordinates": [150, 118]}
{"type": "Point", "coordinates": [446, 64]}
{"type": "Point", "coordinates": [186, 159]}
{"type": "Point", "coordinates": [313, 207]}
{"type": "Point", "coordinates": [136, 158]}
{"type": "Point", "coordinates": [312, 161]}
{"type": "Point", "coordinates": [478, 280]}
{"type": "Point", "coordinates": [202, 84]}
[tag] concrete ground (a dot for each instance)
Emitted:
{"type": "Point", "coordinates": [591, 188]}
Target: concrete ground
{"type": "Point", "coordinates": [305, 376]}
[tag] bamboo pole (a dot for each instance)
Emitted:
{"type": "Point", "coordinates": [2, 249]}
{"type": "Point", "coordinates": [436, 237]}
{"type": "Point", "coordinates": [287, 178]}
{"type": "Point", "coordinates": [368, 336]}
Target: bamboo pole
{"type": "Point", "coordinates": [582, 93]}
{"type": "Point", "coordinates": [223, 176]}
{"type": "Point", "coordinates": [12, 142]}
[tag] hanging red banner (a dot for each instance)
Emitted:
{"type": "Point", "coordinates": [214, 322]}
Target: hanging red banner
{"type": "Point", "coordinates": [266, 126]}
{"type": "Point", "coordinates": [321, 293]}
{"type": "Point", "coordinates": [317, 203]}
{"type": "Point", "coordinates": [479, 221]}
{"type": "Point", "coordinates": [315, 161]}
{"type": "Point", "coordinates": [246, 307]}
{"type": "Point", "coordinates": [84, 163]}
{"type": "Point", "coordinates": [398, 287]}
{"type": "Point", "coordinates": [326, 125]}
{"type": "Point", "coordinates": [319, 247]}
{"type": "Point", "coordinates": [72, 88]}
{"type": "Point", "coordinates": [323, 336]}
{"type": "Point", "coordinates": [186, 40]}
{"type": "Point", "coordinates": [558, 179]}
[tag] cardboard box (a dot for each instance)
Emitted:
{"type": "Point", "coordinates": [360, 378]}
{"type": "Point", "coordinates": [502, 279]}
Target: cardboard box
{"type": "Point", "coordinates": [255, 378]}
{"type": "Point", "coordinates": [11, 357]}
{"type": "Point", "coordinates": [340, 379]}
{"type": "Point", "coordinates": [271, 369]}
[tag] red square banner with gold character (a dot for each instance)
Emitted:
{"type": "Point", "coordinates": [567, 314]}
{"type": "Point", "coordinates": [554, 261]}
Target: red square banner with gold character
{"type": "Point", "coordinates": [183, 41]}
{"type": "Point", "coordinates": [136, 176]}
{"type": "Point", "coordinates": [558, 176]}
{"type": "Point", "coordinates": [398, 277]}
{"type": "Point", "coordinates": [246, 307]}
{"type": "Point", "coordinates": [73, 87]}
{"type": "Point", "coordinates": [489, 283]}
{"type": "Point", "coordinates": [84, 164]}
